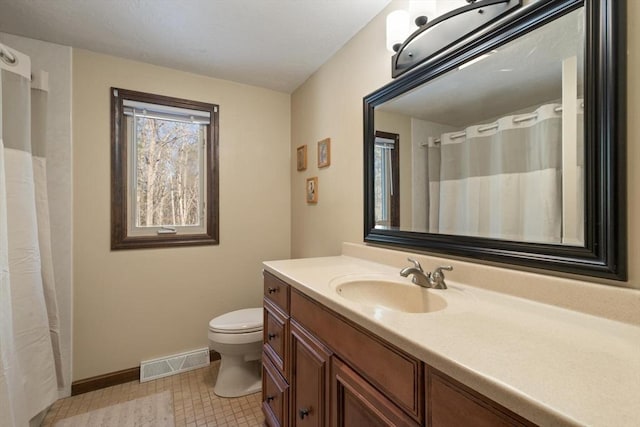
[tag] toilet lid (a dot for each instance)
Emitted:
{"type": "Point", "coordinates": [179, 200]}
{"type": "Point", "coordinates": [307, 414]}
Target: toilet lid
{"type": "Point", "coordinates": [239, 321]}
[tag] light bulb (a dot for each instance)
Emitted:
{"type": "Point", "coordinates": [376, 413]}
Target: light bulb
{"type": "Point", "coordinates": [398, 24]}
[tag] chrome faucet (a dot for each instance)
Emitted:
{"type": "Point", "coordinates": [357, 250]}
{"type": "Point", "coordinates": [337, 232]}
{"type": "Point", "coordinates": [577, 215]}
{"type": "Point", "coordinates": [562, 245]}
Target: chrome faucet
{"type": "Point", "coordinates": [433, 280]}
{"type": "Point", "coordinates": [419, 278]}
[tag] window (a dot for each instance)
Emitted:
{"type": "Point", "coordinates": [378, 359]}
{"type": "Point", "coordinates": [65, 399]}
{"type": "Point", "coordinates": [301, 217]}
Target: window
{"type": "Point", "coordinates": [164, 179]}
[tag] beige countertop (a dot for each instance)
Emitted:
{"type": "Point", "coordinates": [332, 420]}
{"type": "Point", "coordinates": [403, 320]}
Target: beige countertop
{"type": "Point", "coordinates": [551, 365]}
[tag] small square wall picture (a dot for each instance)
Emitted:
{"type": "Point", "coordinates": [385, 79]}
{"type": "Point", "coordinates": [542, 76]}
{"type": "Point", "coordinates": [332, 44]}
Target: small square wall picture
{"type": "Point", "coordinates": [312, 190]}
{"type": "Point", "coordinates": [302, 157]}
{"type": "Point", "coordinates": [324, 153]}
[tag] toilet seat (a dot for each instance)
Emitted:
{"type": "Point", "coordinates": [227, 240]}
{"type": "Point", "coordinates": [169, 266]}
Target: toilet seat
{"type": "Point", "coordinates": [238, 322]}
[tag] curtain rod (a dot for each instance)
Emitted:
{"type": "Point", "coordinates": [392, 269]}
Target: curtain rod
{"type": "Point", "coordinates": [493, 126]}
{"type": "Point", "coordinates": [15, 62]}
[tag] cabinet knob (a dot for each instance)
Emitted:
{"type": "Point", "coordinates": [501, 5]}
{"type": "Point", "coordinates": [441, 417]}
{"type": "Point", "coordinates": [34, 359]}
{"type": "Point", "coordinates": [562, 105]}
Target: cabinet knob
{"type": "Point", "coordinates": [271, 336]}
{"type": "Point", "coordinates": [270, 398]}
{"type": "Point", "coordinates": [303, 412]}
{"type": "Point", "coordinates": [272, 290]}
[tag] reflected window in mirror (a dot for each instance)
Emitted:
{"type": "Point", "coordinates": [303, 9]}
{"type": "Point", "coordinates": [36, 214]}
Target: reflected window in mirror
{"type": "Point", "coordinates": [387, 179]}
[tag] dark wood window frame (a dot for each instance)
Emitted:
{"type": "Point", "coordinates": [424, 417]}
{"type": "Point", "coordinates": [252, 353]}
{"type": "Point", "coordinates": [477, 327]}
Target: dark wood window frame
{"type": "Point", "coordinates": [120, 175]}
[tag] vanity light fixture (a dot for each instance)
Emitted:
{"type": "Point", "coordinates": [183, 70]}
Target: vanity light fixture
{"type": "Point", "coordinates": [435, 36]}
{"type": "Point", "coordinates": [399, 21]}
{"type": "Point", "coordinates": [398, 28]}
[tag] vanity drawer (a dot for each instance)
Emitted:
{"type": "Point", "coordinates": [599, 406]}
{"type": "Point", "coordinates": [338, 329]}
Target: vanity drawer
{"type": "Point", "coordinates": [275, 338]}
{"type": "Point", "coordinates": [398, 375]}
{"type": "Point", "coordinates": [275, 395]}
{"type": "Point", "coordinates": [276, 291]}
{"type": "Point", "coordinates": [358, 403]}
{"type": "Point", "coordinates": [450, 404]}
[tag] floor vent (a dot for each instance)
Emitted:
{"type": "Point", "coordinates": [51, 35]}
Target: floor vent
{"type": "Point", "coordinates": [175, 364]}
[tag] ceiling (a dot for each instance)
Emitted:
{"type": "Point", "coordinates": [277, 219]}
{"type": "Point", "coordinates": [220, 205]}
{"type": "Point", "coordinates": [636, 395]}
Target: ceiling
{"type": "Point", "coordinates": [276, 44]}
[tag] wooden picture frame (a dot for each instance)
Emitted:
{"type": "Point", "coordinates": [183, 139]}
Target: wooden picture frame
{"type": "Point", "coordinates": [324, 153]}
{"type": "Point", "coordinates": [301, 157]}
{"type": "Point", "coordinates": [311, 190]}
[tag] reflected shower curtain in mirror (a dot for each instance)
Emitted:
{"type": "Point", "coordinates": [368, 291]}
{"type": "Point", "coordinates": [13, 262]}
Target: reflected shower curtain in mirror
{"type": "Point", "coordinates": [29, 334]}
{"type": "Point", "coordinates": [501, 180]}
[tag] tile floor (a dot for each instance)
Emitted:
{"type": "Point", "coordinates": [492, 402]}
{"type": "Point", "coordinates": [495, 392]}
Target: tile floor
{"type": "Point", "coordinates": [194, 403]}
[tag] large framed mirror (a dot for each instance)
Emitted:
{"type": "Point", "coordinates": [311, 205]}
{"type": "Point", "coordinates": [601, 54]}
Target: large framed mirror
{"type": "Point", "coordinates": [511, 144]}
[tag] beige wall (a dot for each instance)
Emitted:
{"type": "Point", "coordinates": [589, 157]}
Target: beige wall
{"type": "Point", "coordinates": [330, 104]}
{"type": "Point", "coordinates": [133, 305]}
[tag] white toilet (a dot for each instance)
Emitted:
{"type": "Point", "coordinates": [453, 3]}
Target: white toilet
{"type": "Point", "coordinates": [237, 336]}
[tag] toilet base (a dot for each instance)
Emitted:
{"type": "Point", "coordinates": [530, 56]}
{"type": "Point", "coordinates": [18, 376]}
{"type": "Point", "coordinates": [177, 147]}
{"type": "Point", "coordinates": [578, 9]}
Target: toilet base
{"type": "Point", "coordinates": [237, 377]}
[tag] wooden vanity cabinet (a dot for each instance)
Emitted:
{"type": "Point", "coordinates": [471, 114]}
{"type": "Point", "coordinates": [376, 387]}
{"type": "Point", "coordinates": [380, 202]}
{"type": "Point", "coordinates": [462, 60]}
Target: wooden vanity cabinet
{"type": "Point", "coordinates": [320, 369]}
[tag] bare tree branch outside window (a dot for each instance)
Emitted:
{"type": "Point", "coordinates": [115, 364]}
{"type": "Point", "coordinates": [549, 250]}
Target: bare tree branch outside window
{"type": "Point", "coordinates": [167, 172]}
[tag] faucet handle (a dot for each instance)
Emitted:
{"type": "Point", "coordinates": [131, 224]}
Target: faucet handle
{"type": "Point", "coordinates": [415, 263]}
{"type": "Point", "coordinates": [442, 267]}
{"type": "Point", "coordinates": [438, 274]}
{"type": "Point", "coordinates": [437, 277]}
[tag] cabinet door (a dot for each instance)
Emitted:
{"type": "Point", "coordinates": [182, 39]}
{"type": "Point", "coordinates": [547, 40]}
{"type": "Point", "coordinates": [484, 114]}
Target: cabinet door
{"type": "Point", "coordinates": [358, 403]}
{"type": "Point", "coordinates": [309, 379]}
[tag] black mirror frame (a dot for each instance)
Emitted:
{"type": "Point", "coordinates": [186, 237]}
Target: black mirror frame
{"type": "Point", "coordinates": [605, 251]}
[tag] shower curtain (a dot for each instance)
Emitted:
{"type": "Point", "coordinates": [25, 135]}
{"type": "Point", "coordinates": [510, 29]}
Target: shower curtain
{"type": "Point", "coordinates": [500, 180]}
{"type": "Point", "coordinates": [30, 367]}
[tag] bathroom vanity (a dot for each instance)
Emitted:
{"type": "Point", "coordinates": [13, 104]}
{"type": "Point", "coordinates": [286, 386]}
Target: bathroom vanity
{"type": "Point", "coordinates": [324, 367]}
{"type": "Point", "coordinates": [483, 358]}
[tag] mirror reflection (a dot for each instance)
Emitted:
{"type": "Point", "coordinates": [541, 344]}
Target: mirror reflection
{"type": "Point", "coordinates": [493, 148]}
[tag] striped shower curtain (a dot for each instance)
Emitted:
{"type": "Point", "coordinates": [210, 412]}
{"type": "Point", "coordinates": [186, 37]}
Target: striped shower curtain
{"type": "Point", "coordinates": [501, 180]}
{"type": "Point", "coordinates": [30, 368]}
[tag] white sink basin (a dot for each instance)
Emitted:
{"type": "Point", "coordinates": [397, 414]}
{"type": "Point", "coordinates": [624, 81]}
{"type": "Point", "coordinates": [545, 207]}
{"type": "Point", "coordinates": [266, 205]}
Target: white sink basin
{"type": "Point", "coordinates": [392, 295]}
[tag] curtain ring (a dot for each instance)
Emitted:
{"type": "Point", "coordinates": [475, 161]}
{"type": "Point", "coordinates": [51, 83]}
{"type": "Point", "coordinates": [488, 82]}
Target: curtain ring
{"type": "Point", "coordinates": [8, 57]}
